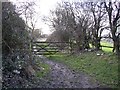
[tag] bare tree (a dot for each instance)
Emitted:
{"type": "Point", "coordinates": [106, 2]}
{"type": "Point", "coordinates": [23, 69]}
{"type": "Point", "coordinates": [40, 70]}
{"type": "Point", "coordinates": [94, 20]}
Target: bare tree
{"type": "Point", "coordinates": [27, 11]}
{"type": "Point", "coordinates": [97, 11]}
{"type": "Point", "coordinates": [113, 11]}
{"type": "Point", "coordinates": [75, 24]}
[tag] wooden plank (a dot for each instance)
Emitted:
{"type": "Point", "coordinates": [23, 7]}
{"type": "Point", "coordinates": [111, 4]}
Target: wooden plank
{"type": "Point", "coordinates": [47, 48]}
{"type": "Point", "coordinates": [48, 53]}
{"type": "Point", "coordinates": [107, 46]}
{"type": "Point", "coordinates": [51, 42]}
{"type": "Point", "coordinates": [43, 54]}
{"type": "Point", "coordinates": [45, 51]}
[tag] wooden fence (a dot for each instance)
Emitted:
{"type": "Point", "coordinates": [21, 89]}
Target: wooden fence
{"type": "Point", "coordinates": [49, 48]}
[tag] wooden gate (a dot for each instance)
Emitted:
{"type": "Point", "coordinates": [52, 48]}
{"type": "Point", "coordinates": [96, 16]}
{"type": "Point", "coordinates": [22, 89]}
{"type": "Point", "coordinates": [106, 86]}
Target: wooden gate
{"type": "Point", "coordinates": [50, 48]}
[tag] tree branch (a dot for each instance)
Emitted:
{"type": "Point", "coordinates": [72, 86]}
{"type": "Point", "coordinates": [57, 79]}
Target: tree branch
{"type": "Point", "coordinates": [118, 25]}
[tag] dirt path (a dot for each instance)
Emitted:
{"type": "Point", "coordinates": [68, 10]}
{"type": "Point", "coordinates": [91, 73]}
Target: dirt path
{"type": "Point", "coordinates": [62, 77]}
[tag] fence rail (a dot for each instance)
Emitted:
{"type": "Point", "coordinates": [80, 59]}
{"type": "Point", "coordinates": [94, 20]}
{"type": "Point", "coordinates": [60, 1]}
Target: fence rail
{"type": "Point", "coordinates": [106, 46]}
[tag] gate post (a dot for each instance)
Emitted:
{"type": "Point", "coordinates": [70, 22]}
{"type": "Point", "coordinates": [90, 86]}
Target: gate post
{"type": "Point", "coordinates": [70, 46]}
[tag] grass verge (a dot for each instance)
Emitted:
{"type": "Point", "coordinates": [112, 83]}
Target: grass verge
{"type": "Point", "coordinates": [43, 68]}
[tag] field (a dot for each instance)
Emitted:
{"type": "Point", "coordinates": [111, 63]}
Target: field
{"type": "Point", "coordinates": [106, 49]}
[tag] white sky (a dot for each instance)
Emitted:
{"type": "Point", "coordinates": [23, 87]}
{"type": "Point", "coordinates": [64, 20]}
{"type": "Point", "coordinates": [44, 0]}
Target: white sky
{"type": "Point", "coordinates": [43, 7]}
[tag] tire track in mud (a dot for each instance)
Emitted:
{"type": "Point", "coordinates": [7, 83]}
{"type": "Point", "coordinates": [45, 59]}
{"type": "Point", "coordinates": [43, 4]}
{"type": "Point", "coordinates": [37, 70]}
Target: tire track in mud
{"type": "Point", "coordinates": [61, 76]}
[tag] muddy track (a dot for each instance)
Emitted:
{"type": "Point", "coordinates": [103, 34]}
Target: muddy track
{"type": "Point", "coordinates": [61, 76]}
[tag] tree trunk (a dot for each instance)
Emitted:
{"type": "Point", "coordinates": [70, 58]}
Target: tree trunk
{"type": "Point", "coordinates": [97, 44]}
{"type": "Point", "coordinates": [79, 47]}
{"type": "Point", "coordinates": [116, 45]}
{"type": "Point", "coordinates": [86, 43]}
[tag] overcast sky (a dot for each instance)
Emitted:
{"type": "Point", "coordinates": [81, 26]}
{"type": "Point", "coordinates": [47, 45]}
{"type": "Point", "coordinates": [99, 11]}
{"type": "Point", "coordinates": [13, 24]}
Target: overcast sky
{"type": "Point", "coordinates": [43, 7]}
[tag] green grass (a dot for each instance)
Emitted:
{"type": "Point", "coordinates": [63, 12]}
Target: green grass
{"type": "Point", "coordinates": [106, 49]}
{"type": "Point", "coordinates": [104, 68]}
{"type": "Point", "coordinates": [44, 69]}
{"type": "Point", "coordinates": [105, 43]}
